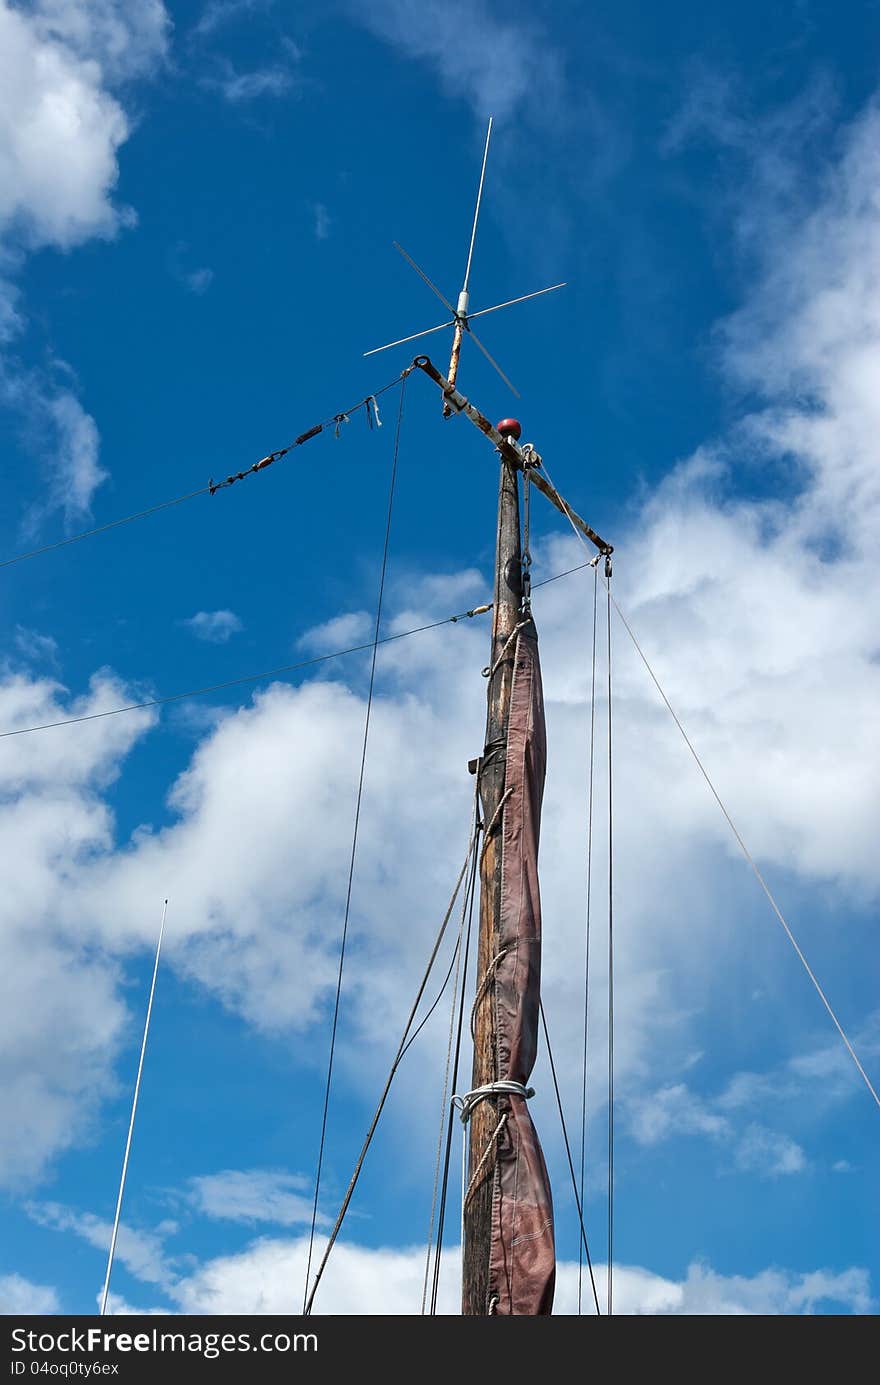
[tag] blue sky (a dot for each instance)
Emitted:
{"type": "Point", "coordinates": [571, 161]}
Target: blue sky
{"type": "Point", "coordinates": [197, 204]}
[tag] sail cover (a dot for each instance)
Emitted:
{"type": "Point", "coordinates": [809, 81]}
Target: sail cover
{"type": "Point", "coordinates": [522, 1258]}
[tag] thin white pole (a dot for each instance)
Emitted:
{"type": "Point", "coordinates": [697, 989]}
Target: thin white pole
{"type": "Point", "coordinates": [467, 273]}
{"type": "Point", "coordinates": [137, 1088]}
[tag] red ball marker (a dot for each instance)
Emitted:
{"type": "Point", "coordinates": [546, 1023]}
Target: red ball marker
{"type": "Point", "coordinates": [510, 428]}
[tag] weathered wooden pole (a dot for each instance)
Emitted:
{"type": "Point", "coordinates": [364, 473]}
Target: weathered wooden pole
{"type": "Point", "coordinates": [484, 1118]}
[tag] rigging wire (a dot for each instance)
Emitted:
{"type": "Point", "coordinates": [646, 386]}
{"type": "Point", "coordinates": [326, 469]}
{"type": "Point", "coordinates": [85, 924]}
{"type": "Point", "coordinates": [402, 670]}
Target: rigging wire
{"type": "Point", "coordinates": [587, 925]}
{"type": "Point", "coordinates": [445, 1111]}
{"type": "Point", "coordinates": [751, 861]}
{"type": "Point", "coordinates": [444, 1184]}
{"type": "Point", "coordinates": [268, 673]}
{"type": "Point", "coordinates": [742, 846]}
{"type": "Point", "coordinates": [335, 420]}
{"type": "Point", "coordinates": [354, 840]}
{"type": "Point", "coordinates": [610, 964]}
{"type": "Point", "coordinates": [134, 1103]}
{"type": "Point", "coordinates": [574, 1186]}
{"type": "Point", "coordinates": [402, 1047]}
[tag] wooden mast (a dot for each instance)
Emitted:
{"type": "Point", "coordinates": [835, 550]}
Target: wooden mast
{"type": "Point", "coordinates": [505, 616]}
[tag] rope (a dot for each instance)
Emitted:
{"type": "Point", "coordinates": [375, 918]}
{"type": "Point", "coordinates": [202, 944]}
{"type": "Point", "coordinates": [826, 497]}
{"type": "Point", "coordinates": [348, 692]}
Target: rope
{"type": "Point", "coordinates": [484, 1157]}
{"type": "Point", "coordinates": [491, 669]}
{"type": "Point", "coordinates": [587, 927]}
{"type": "Point", "coordinates": [134, 1103]}
{"type": "Point", "coordinates": [488, 977]}
{"type": "Point", "coordinates": [577, 1199]}
{"type": "Point", "coordinates": [211, 486]}
{"type": "Point", "coordinates": [267, 673]}
{"type": "Point", "coordinates": [751, 861]}
{"type": "Point", "coordinates": [402, 1047]}
{"type": "Point", "coordinates": [610, 964]}
{"type": "Point", "coordinates": [505, 1087]}
{"type": "Point", "coordinates": [354, 841]}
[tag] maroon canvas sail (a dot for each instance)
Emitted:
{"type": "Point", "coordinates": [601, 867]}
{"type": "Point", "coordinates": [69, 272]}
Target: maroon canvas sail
{"type": "Point", "coordinates": [522, 1257]}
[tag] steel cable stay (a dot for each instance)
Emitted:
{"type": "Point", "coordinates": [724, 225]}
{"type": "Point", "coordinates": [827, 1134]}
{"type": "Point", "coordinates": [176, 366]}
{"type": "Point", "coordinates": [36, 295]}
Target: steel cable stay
{"type": "Point", "coordinates": [445, 1102]}
{"type": "Point", "coordinates": [268, 673]}
{"type": "Point", "coordinates": [574, 1186]}
{"type": "Point", "coordinates": [592, 742]}
{"type": "Point", "coordinates": [105, 1292]}
{"type": "Point", "coordinates": [459, 1029]}
{"type": "Point", "coordinates": [409, 1035]}
{"type": "Point", "coordinates": [610, 962]}
{"type": "Point", "coordinates": [771, 899]}
{"type": "Point", "coordinates": [354, 840]}
{"type": "Point", "coordinates": [751, 861]}
{"type": "Point", "coordinates": [333, 421]}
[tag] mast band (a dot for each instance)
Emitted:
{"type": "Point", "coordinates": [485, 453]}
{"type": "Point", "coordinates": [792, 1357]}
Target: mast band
{"type": "Point", "coordinates": [465, 1104]}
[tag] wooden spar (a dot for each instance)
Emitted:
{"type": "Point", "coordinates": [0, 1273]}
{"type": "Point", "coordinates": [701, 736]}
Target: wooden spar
{"type": "Point", "coordinates": [511, 453]}
{"type": "Point", "coordinates": [505, 615]}
{"type": "Point", "coordinates": [507, 612]}
{"type": "Point", "coordinates": [454, 358]}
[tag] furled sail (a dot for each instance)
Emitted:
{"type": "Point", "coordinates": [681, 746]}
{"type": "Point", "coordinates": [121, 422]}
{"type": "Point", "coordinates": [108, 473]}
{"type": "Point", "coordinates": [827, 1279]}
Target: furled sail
{"type": "Point", "coordinates": [522, 1260]}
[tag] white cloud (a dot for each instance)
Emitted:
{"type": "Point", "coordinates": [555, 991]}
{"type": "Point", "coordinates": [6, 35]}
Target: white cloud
{"type": "Point", "coordinates": [128, 38]}
{"type": "Point", "coordinates": [61, 1013]}
{"type": "Point", "coordinates": [20, 1296]}
{"type": "Point", "coordinates": [267, 1276]}
{"type": "Point", "coordinates": [214, 627]}
{"type": "Point", "coordinates": [674, 1111]}
{"type": "Point", "coordinates": [61, 128]}
{"type": "Point", "coordinates": [253, 1195]}
{"type": "Point", "coordinates": [342, 632]}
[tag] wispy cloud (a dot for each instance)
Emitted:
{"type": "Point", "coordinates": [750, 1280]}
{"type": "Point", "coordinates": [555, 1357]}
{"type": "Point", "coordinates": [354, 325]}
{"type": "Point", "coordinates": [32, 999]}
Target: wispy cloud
{"type": "Point", "coordinates": [322, 221]}
{"type": "Point", "coordinates": [239, 88]}
{"type": "Point", "coordinates": [199, 280]}
{"type": "Point", "coordinates": [217, 14]}
{"type": "Point", "coordinates": [34, 647]}
{"type": "Point", "coordinates": [56, 425]}
{"type": "Point", "coordinates": [195, 278]}
{"type": "Point", "coordinates": [485, 57]}
{"type": "Point", "coordinates": [214, 627]}
{"type": "Point", "coordinates": [142, 1252]}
